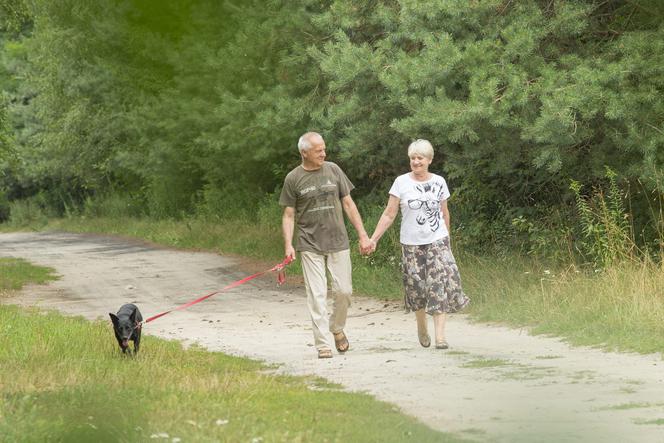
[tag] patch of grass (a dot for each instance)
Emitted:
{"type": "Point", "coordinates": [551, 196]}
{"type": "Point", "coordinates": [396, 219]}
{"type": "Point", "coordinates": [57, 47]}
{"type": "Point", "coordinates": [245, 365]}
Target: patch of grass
{"type": "Point", "coordinates": [485, 363]}
{"type": "Point", "coordinates": [474, 431]}
{"type": "Point", "coordinates": [658, 421]}
{"type": "Point", "coordinates": [388, 349]}
{"type": "Point", "coordinates": [63, 379]}
{"type": "Point", "coordinates": [15, 272]}
{"type": "Point", "coordinates": [579, 376]}
{"type": "Point", "coordinates": [523, 372]}
{"type": "Point", "coordinates": [625, 406]}
{"type": "Point", "coordinates": [548, 357]}
{"type": "Point", "coordinates": [457, 353]}
{"type": "Point", "coordinates": [627, 390]}
{"type": "Point", "coordinates": [631, 389]}
{"type": "Point", "coordinates": [507, 370]}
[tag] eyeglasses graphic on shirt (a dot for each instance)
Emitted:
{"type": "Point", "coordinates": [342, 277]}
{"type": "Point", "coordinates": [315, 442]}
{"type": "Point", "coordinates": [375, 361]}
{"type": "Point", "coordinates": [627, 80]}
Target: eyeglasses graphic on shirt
{"type": "Point", "coordinates": [417, 204]}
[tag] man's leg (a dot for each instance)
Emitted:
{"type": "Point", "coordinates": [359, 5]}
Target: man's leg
{"type": "Point", "coordinates": [338, 263]}
{"type": "Point", "coordinates": [315, 282]}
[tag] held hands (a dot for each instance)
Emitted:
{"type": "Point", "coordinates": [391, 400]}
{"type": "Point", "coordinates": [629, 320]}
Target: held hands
{"type": "Point", "coordinates": [367, 246]}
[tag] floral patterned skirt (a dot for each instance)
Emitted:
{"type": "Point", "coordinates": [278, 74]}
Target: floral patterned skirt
{"type": "Point", "coordinates": [431, 278]}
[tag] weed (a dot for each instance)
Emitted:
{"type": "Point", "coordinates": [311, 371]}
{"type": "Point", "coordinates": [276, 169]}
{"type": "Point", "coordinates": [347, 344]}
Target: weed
{"type": "Point", "coordinates": [607, 238]}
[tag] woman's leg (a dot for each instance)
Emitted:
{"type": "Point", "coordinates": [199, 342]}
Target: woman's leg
{"type": "Point", "coordinates": [422, 333]}
{"type": "Point", "coordinates": [439, 326]}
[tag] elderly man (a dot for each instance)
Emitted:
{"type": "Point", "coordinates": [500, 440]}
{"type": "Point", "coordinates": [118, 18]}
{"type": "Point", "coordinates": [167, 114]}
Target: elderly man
{"type": "Point", "coordinates": [315, 195]}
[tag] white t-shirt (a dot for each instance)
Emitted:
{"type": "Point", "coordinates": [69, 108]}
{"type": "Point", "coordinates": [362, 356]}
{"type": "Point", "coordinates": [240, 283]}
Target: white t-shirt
{"type": "Point", "coordinates": [422, 220]}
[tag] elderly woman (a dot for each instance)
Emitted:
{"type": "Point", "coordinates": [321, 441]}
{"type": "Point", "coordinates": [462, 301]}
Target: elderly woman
{"type": "Point", "coordinates": [430, 274]}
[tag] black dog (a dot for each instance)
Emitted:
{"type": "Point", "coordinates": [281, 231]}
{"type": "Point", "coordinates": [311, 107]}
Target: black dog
{"type": "Point", "coordinates": [127, 326]}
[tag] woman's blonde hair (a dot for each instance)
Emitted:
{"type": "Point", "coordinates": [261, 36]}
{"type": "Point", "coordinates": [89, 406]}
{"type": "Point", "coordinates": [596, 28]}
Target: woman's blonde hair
{"type": "Point", "coordinates": [421, 147]}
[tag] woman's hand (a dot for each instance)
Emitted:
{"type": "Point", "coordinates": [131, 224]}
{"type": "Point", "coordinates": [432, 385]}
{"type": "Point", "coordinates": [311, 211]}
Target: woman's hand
{"type": "Point", "coordinates": [366, 246]}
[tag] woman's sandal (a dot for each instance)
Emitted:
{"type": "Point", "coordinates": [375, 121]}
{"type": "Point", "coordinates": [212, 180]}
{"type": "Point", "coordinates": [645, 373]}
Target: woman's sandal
{"type": "Point", "coordinates": [341, 341]}
{"type": "Point", "coordinates": [442, 345]}
{"type": "Point", "coordinates": [425, 339]}
{"type": "Point", "coordinates": [324, 353]}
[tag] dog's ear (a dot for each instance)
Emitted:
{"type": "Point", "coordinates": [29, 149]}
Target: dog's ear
{"type": "Point", "coordinates": [114, 318]}
{"type": "Point", "coordinates": [132, 316]}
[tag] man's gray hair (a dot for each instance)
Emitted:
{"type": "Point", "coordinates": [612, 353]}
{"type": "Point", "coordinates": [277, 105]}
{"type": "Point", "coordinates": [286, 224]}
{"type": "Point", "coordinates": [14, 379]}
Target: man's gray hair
{"type": "Point", "coordinates": [421, 147]}
{"type": "Point", "coordinates": [304, 143]}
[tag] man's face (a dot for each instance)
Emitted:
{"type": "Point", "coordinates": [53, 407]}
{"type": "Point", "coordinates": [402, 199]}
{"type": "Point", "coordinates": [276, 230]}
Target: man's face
{"type": "Point", "coordinates": [314, 157]}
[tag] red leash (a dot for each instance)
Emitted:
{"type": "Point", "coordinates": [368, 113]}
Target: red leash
{"type": "Point", "coordinates": [281, 278]}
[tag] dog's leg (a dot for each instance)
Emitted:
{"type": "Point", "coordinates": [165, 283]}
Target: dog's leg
{"type": "Point", "coordinates": [116, 325]}
{"type": "Point", "coordinates": [137, 340]}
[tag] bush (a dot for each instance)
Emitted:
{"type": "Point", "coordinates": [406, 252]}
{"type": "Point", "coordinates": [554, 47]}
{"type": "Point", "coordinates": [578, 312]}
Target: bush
{"type": "Point", "coordinates": [232, 203]}
{"type": "Point", "coordinates": [32, 211]}
{"type": "Point", "coordinates": [4, 207]}
{"type": "Point", "coordinates": [269, 211]}
{"type": "Point", "coordinates": [113, 206]}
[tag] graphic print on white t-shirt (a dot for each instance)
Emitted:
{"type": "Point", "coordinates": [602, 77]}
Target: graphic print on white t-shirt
{"type": "Point", "coordinates": [427, 204]}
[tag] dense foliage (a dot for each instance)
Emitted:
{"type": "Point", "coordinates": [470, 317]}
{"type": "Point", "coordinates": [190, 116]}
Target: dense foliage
{"type": "Point", "coordinates": [196, 106]}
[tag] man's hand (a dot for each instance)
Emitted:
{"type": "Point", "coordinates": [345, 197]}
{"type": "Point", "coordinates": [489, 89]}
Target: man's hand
{"type": "Point", "coordinates": [367, 246]}
{"type": "Point", "coordinates": [290, 252]}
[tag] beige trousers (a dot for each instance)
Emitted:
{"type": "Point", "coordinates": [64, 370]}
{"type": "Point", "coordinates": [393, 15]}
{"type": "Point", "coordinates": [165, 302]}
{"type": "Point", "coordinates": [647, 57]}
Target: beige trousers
{"type": "Point", "coordinates": [315, 282]}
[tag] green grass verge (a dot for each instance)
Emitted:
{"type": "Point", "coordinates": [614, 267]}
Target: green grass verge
{"type": "Point", "coordinates": [620, 308]}
{"type": "Point", "coordinates": [64, 379]}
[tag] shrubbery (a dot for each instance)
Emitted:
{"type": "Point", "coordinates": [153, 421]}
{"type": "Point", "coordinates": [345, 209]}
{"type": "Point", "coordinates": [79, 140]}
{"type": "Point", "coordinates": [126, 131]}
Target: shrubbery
{"type": "Point", "coordinates": [195, 108]}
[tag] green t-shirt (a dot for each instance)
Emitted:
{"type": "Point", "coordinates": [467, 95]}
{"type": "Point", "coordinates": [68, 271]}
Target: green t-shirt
{"type": "Point", "coordinates": [316, 197]}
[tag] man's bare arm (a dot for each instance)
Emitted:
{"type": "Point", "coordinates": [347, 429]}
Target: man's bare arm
{"type": "Point", "coordinates": [356, 220]}
{"type": "Point", "coordinates": [287, 227]}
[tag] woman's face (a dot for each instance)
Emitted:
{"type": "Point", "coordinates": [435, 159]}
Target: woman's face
{"type": "Point", "coordinates": [419, 164]}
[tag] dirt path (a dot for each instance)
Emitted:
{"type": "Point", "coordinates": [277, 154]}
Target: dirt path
{"type": "Point", "coordinates": [495, 384]}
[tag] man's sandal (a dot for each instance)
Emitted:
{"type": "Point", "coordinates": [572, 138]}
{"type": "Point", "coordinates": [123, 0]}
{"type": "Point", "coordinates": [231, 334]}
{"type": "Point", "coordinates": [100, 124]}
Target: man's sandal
{"type": "Point", "coordinates": [341, 341]}
{"type": "Point", "coordinates": [324, 353]}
